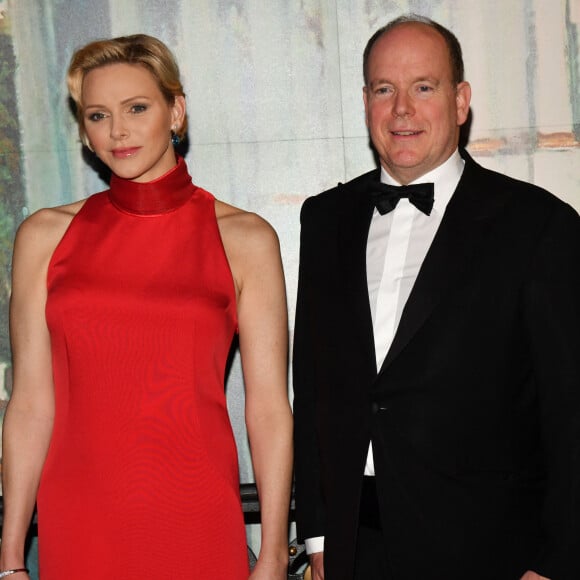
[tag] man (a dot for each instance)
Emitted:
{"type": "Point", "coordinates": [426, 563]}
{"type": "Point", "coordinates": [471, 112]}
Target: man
{"type": "Point", "coordinates": [437, 349]}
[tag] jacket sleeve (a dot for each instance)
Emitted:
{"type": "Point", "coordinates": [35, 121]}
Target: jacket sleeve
{"type": "Point", "coordinates": [552, 318]}
{"type": "Point", "coordinates": [310, 515]}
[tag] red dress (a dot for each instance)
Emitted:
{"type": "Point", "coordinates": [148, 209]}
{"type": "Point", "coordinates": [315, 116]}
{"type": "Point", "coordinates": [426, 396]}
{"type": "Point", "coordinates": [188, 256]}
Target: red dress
{"type": "Point", "coordinates": [141, 478]}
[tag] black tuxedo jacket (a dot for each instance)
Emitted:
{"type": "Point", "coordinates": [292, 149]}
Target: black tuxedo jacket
{"type": "Point", "coordinates": [474, 416]}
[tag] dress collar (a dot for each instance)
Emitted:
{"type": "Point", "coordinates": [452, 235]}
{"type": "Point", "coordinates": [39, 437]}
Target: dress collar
{"type": "Point", "coordinates": [162, 195]}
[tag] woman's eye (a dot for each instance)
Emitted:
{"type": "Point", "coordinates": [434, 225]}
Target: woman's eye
{"type": "Point", "coordinates": [138, 108]}
{"type": "Point", "coordinates": [96, 116]}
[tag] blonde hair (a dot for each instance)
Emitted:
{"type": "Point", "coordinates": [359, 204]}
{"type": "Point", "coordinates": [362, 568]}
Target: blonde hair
{"type": "Point", "coordinates": [137, 49]}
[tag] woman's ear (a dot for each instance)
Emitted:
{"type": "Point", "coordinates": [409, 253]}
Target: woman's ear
{"type": "Point", "coordinates": [178, 113]}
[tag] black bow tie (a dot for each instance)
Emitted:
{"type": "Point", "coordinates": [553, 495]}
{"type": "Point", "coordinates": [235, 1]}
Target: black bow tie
{"type": "Point", "coordinates": [385, 197]}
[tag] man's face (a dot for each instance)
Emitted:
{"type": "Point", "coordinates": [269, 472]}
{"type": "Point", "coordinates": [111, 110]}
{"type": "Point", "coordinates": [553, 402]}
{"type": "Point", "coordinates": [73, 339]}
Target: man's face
{"type": "Point", "coordinates": [413, 109]}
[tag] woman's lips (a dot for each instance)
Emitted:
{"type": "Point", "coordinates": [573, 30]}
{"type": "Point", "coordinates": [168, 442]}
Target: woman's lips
{"type": "Point", "coordinates": [122, 153]}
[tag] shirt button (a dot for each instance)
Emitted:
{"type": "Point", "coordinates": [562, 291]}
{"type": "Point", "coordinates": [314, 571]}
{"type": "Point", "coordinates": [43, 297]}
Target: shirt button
{"type": "Point", "coordinates": [375, 408]}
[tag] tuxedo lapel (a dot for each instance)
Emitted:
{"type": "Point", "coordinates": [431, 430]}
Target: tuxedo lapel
{"type": "Point", "coordinates": [457, 242]}
{"type": "Point", "coordinates": [354, 222]}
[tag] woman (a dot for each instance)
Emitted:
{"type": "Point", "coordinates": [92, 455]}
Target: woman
{"type": "Point", "coordinates": [123, 310]}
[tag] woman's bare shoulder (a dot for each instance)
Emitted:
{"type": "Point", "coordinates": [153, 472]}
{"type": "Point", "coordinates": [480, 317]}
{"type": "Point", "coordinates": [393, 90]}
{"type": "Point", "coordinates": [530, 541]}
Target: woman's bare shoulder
{"type": "Point", "coordinates": [40, 232]}
{"type": "Point", "coordinates": [243, 228]}
{"type": "Point", "coordinates": [251, 245]}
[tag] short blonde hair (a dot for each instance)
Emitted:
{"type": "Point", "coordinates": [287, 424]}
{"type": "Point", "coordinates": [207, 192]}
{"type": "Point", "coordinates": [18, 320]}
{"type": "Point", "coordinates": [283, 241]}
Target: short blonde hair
{"type": "Point", "coordinates": [137, 49]}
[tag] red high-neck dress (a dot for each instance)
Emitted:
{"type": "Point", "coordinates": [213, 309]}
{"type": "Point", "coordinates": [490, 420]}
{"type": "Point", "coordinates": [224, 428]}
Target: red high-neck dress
{"type": "Point", "coordinates": [141, 478]}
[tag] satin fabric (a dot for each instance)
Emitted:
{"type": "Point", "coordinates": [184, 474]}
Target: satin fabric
{"type": "Point", "coordinates": [141, 478]}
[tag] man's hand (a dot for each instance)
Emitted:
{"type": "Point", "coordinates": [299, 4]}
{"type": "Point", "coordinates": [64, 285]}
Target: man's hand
{"type": "Point", "coordinates": [529, 575]}
{"type": "Point", "coordinates": [317, 566]}
{"type": "Point", "coordinates": [317, 569]}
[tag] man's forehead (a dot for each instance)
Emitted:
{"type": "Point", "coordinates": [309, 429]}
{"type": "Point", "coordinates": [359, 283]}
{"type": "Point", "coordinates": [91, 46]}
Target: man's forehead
{"type": "Point", "coordinates": [393, 53]}
{"type": "Point", "coordinates": [400, 34]}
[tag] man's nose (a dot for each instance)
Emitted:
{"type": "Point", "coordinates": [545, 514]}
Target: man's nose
{"type": "Point", "coordinates": [403, 106]}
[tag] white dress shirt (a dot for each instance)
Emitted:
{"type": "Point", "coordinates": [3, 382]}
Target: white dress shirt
{"type": "Point", "coordinates": [396, 247]}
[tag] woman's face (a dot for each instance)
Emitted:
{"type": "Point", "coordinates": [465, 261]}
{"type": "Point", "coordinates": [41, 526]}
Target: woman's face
{"type": "Point", "coordinates": [128, 121]}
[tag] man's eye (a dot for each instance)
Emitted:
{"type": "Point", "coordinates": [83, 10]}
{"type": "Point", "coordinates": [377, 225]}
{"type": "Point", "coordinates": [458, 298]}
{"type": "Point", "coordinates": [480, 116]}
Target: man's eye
{"type": "Point", "coordinates": [383, 90]}
{"type": "Point", "coordinates": [425, 88]}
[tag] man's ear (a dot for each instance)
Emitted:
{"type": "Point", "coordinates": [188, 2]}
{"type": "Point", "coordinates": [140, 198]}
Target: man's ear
{"type": "Point", "coordinates": [463, 100]}
{"type": "Point", "coordinates": [366, 102]}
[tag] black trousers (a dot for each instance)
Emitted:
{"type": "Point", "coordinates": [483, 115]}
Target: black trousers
{"type": "Point", "coordinates": [370, 557]}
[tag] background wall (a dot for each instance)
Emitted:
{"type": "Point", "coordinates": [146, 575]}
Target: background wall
{"type": "Point", "coordinates": [275, 104]}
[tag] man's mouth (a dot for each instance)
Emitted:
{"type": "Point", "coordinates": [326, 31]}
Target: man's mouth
{"type": "Point", "coordinates": [405, 133]}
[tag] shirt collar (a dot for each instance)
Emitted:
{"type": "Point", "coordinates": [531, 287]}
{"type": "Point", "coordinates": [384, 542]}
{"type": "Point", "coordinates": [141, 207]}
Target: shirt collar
{"type": "Point", "coordinates": [445, 179]}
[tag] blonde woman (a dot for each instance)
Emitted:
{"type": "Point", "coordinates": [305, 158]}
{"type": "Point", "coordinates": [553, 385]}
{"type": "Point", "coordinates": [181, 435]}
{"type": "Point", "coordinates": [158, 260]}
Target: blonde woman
{"type": "Point", "coordinates": [123, 311]}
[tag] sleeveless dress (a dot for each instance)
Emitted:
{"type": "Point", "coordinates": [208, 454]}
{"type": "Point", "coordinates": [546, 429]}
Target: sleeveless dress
{"type": "Point", "coordinates": [141, 478]}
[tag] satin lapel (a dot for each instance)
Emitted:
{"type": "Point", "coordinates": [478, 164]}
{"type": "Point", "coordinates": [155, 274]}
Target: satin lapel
{"type": "Point", "coordinates": [355, 218]}
{"type": "Point", "coordinates": [457, 241]}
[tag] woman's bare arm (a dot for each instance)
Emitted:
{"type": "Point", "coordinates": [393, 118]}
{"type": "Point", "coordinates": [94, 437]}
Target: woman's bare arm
{"type": "Point", "coordinates": [254, 254]}
{"type": "Point", "coordinates": [29, 416]}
